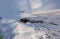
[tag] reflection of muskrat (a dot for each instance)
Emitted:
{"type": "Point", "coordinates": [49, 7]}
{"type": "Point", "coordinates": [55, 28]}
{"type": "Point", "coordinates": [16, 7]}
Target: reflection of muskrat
{"type": "Point", "coordinates": [25, 20]}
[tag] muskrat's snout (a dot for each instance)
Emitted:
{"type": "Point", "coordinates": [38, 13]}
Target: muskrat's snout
{"type": "Point", "coordinates": [24, 20]}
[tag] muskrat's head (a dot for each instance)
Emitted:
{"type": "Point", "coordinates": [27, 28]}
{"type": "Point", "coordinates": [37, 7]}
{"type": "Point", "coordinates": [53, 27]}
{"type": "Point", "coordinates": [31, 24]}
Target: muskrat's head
{"type": "Point", "coordinates": [24, 20]}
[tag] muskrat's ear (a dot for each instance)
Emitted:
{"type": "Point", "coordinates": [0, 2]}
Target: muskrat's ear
{"type": "Point", "coordinates": [24, 20]}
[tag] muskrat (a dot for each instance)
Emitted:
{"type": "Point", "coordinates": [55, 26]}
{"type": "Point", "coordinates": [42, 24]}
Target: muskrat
{"type": "Point", "coordinates": [24, 20]}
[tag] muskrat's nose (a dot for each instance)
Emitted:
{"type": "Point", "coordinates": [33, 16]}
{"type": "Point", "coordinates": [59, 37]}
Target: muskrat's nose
{"type": "Point", "coordinates": [24, 20]}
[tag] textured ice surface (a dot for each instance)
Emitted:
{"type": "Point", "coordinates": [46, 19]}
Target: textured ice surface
{"type": "Point", "coordinates": [18, 30]}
